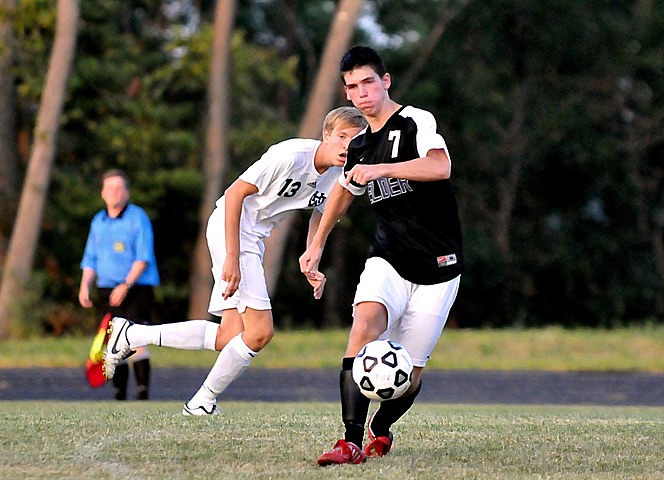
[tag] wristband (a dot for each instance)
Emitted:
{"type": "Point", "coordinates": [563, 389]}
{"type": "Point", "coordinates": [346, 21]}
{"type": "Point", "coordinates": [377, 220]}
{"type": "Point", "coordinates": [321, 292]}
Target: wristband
{"type": "Point", "coordinates": [128, 285]}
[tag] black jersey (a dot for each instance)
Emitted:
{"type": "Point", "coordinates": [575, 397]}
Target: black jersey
{"type": "Point", "coordinates": [418, 229]}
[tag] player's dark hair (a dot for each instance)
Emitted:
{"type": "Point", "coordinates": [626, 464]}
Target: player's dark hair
{"type": "Point", "coordinates": [359, 56]}
{"type": "Point", "coordinates": [115, 172]}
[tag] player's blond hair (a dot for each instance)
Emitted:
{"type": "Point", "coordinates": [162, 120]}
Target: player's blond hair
{"type": "Point", "coordinates": [345, 117]}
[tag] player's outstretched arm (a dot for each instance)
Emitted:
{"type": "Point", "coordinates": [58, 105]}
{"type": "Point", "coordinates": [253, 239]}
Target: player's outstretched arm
{"type": "Point", "coordinates": [314, 222]}
{"type": "Point", "coordinates": [335, 207]}
{"type": "Point", "coordinates": [316, 279]}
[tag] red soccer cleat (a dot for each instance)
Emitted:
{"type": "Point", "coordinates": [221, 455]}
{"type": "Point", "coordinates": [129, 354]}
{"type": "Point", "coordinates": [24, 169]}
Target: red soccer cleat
{"type": "Point", "coordinates": [343, 452]}
{"type": "Point", "coordinates": [377, 446]}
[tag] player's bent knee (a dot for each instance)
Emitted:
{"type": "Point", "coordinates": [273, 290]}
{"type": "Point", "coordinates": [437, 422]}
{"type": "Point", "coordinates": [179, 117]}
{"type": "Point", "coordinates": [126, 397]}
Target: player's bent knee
{"type": "Point", "coordinates": [363, 332]}
{"type": "Point", "coordinates": [369, 320]}
{"type": "Point", "coordinates": [257, 341]}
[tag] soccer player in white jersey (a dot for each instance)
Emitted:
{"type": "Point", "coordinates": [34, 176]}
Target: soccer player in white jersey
{"type": "Point", "coordinates": [412, 275]}
{"type": "Point", "coordinates": [293, 174]}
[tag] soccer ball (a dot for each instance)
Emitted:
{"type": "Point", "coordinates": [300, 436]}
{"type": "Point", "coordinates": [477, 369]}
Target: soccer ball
{"type": "Point", "coordinates": [383, 370]}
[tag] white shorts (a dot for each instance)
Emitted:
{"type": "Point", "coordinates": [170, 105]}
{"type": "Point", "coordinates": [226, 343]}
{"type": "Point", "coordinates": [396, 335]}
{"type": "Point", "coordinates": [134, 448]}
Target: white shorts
{"type": "Point", "coordinates": [416, 314]}
{"type": "Point", "coordinates": [252, 291]}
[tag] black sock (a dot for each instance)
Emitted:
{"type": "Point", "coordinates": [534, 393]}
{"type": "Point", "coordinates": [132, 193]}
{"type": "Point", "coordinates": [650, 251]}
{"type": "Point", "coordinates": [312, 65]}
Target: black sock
{"type": "Point", "coordinates": [390, 411]}
{"type": "Point", "coordinates": [142, 372]}
{"type": "Point", "coordinates": [120, 381]}
{"type": "Point", "coordinates": [354, 405]}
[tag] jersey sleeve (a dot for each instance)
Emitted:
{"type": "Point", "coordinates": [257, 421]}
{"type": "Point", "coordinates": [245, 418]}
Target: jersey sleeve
{"type": "Point", "coordinates": [352, 187]}
{"type": "Point", "coordinates": [89, 259]}
{"type": "Point", "coordinates": [145, 238]}
{"type": "Point", "coordinates": [427, 137]}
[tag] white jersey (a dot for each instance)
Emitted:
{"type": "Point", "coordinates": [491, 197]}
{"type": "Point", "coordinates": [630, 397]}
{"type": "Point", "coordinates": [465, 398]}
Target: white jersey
{"type": "Point", "coordinates": [286, 180]}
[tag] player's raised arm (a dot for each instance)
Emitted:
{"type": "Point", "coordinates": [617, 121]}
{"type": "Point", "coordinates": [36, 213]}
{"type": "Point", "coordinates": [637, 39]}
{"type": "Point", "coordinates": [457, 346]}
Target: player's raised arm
{"type": "Point", "coordinates": [316, 279]}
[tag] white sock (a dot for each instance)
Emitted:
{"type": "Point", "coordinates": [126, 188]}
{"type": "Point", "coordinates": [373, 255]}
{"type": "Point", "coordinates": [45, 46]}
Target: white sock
{"type": "Point", "coordinates": [190, 335]}
{"type": "Point", "coordinates": [231, 362]}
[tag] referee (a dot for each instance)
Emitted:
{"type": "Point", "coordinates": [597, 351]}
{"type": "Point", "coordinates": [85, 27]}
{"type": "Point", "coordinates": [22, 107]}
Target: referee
{"type": "Point", "coordinates": [119, 255]}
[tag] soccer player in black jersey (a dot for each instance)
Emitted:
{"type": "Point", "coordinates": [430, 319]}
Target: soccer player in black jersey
{"type": "Point", "coordinates": [412, 275]}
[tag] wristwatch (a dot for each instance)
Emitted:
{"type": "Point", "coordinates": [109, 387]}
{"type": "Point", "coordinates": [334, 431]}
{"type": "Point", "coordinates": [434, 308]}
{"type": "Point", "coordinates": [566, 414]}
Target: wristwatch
{"type": "Point", "coordinates": [128, 284]}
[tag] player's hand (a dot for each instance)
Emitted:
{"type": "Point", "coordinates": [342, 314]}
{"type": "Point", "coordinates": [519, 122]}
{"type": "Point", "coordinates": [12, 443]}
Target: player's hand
{"type": "Point", "coordinates": [363, 174]}
{"type": "Point", "coordinates": [317, 280]}
{"type": "Point", "coordinates": [230, 274]}
{"type": "Point", "coordinates": [310, 259]}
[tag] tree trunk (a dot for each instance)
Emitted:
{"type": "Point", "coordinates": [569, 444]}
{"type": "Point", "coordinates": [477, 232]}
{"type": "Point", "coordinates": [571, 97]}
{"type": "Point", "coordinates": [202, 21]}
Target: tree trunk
{"type": "Point", "coordinates": [321, 99]}
{"type": "Point", "coordinates": [643, 134]}
{"type": "Point", "coordinates": [513, 146]}
{"type": "Point", "coordinates": [8, 154]}
{"type": "Point", "coordinates": [216, 153]}
{"type": "Point", "coordinates": [30, 211]}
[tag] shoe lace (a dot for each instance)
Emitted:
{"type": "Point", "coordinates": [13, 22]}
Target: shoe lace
{"type": "Point", "coordinates": [347, 449]}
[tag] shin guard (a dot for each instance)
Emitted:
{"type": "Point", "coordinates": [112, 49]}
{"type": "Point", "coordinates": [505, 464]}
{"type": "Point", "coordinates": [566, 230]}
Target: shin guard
{"type": "Point", "coordinates": [354, 405]}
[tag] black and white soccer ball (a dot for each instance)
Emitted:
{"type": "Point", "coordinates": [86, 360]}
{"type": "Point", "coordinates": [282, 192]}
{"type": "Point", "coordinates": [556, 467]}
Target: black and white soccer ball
{"type": "Point", "coordinates": [383, 370]}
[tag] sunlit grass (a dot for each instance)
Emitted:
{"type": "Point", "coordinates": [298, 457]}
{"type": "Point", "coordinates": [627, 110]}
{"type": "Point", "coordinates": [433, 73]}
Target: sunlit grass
{"type": "Point", "coordinates": [554, 348]}
{"type": "Point", "coordinates": [54, 440]}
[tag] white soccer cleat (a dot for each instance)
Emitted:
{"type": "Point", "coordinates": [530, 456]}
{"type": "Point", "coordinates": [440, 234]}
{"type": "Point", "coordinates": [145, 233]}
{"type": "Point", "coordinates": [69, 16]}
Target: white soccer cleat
{"type": "Point", "coordinates": [118, 347]}
{"type": "Point", "coordinates": [200, 410]}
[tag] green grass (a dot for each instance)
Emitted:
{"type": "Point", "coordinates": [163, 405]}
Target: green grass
{"type": "Point", "coordinates": [102, 440]}
{"type": "Point", "coordinates": [252, 440]}
{"type": "Point", "coordinates": [554, 348]}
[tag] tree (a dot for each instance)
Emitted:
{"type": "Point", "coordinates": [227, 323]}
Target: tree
{"type": "Point", "coordinates": [428, 45]}
{"type": "Point", "coordinates": [24, 237]}
{"type": "Point", "coordinates": [320, 101]}
{"type": "Point", "coordinates": [8, 154]}
{"type": "Point", "coordinates": [552, 112]}
{"type": "Point", "coordinates": [216, 152]}
{"type": "Point", "coordinates": [642, 138]}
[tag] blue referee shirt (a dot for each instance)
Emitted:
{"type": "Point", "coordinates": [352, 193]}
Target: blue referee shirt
{"type": "Point", "coordinates": [115, 243]}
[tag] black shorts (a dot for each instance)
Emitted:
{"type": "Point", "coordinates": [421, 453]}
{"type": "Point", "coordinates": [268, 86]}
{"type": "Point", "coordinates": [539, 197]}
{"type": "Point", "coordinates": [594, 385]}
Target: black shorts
{"type": "Point", "coordinates": [137, 305]}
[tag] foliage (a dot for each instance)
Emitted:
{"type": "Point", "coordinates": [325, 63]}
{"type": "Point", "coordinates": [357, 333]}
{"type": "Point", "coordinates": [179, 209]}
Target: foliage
{"type": "Point", "coordinates": [552, 112]}
{"type": "Point", "coordinates": [559, 224]}
{"type": "Point", "coordinates": [135, 102]}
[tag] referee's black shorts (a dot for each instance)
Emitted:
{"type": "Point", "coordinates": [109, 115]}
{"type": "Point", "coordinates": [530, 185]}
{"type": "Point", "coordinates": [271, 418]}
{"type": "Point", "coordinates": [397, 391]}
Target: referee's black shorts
{"type": "Point", "coordinates": [137, 305]}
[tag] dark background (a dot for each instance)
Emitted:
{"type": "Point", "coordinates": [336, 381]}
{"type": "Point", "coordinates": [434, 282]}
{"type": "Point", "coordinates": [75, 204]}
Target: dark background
{"type": "Point", "coordinates": [552, 112]}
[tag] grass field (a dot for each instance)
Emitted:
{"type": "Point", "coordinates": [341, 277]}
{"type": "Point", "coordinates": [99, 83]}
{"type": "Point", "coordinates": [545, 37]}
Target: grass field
{"type": "Point", "coordinates": [139, 440]}
{"type": "Point", "coordinates": [554, 348]}
{"type": "Point", "coordinates": [58, 440]}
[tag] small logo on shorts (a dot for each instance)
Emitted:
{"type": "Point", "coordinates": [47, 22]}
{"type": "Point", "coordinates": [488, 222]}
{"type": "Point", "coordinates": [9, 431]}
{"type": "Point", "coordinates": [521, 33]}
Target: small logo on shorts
{"type": "Point", "coordinates": [445, 260]}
